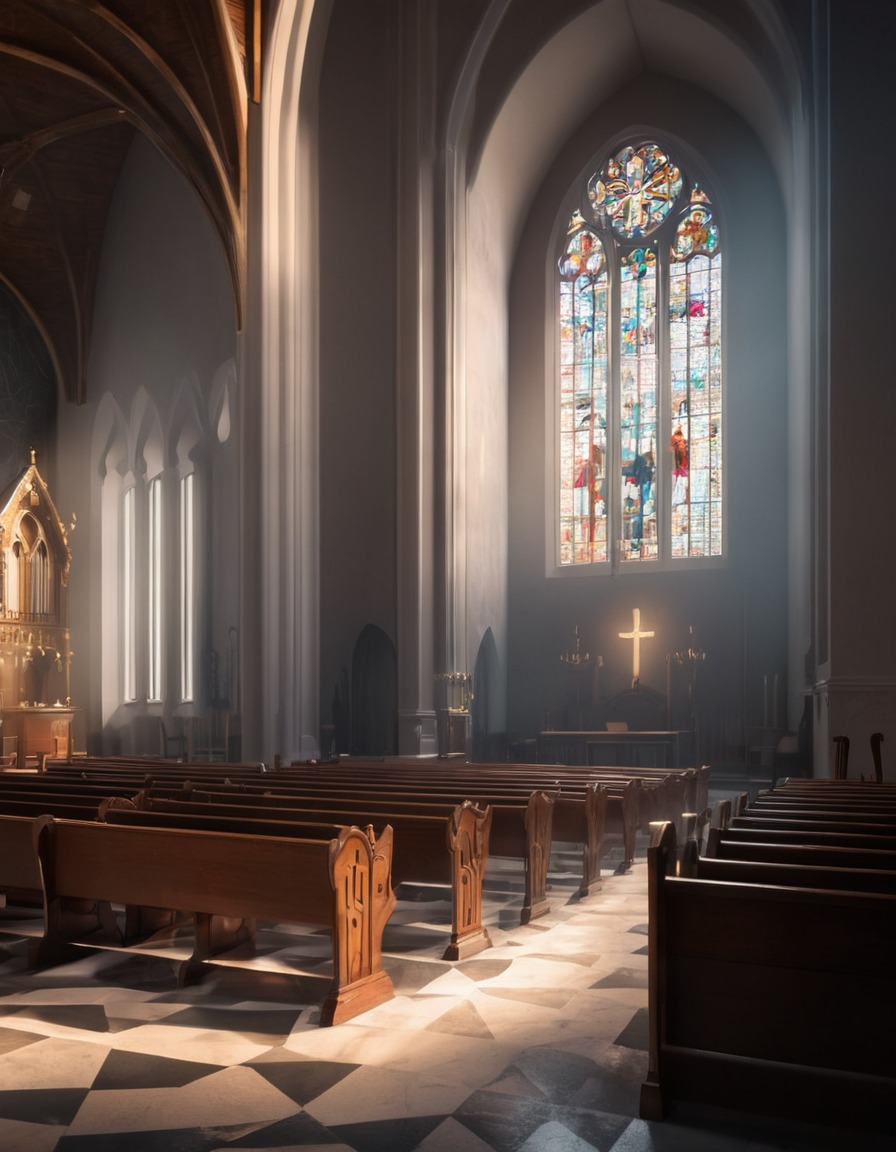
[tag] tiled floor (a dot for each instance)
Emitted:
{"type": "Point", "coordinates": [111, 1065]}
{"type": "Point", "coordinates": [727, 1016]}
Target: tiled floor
{"type": "Point", "coordinates": [537, 1045]}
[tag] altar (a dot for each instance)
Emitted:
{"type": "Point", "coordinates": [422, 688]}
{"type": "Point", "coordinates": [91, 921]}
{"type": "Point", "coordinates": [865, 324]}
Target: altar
{"type": "Point", "coordinates": [630, 749]}
{"type": "Point", "coordinates": [31, 733]}
{"type": "Point", "coordinates": [35, 653]}
{"type": "Point", "coordinates": [637, 727]}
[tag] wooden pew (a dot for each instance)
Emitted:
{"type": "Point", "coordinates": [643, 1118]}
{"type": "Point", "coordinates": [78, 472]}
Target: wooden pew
{"type": "Point", "coordinates": [26, 798]}
{"type": "Point", "coordinates": [697, 778]}
{"type": "Point", "coordinates": [341, 883]}
{"type": "Point", "coordinates": [781, 996]}
{"type": "Point", "coordinates": [809, 821]}
{"type": "Point", "coordinates": [85, 765]}
{"type": "Point", "coordinates": [19, 870]}
{"type": "Point", "coordinates": [800, 819]}
{"type": "Point", "coordinates": [621, 811]}
{"type": "Point", "coordinates": [664, 793]}
{"type": "Point", "coordinates": [522, 830]}
{"type": "Point", "coordinates": [450, 848]}
{"type": "Point", "coordinates": [656, 793]}
{"type": "Point", "coordinates": [580, 810]}
{"type": "Point", "coordinates": [521, 825]}
{"type": "Point", "coordinates": [795, 875]}
{"type": "Point", "coordinates": [444, 845]}
{"type": "Point", "coordinates": [765, 802]}
{"type": "Point", "coordinates": [772, 849]}
{"type": "Point", "coordinates": [866, 788]}
{"type": "Point", "coordinates": [844, 836]}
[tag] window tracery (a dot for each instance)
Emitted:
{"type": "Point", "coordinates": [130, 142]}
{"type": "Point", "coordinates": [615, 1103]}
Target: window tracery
{"type": "Point", "coordinates": [640, 367]}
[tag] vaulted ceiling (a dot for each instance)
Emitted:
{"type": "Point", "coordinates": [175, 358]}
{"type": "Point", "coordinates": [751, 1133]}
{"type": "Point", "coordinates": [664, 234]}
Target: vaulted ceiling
{"type": "Point", "coordinates": [77, 79]}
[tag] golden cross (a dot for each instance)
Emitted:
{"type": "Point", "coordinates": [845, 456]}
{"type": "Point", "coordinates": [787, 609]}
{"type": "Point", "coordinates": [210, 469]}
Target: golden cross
{"type": "Point", "coordinates": [636, 635]}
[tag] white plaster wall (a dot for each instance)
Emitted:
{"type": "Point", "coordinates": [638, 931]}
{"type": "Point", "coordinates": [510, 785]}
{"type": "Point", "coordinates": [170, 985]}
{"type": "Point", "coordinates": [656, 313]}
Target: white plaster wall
{"type": "Point", "coordinates": [163, 324]}
{"type": "Point", "coordinates": [739, 611]}
{"type": "Point", "coordinates": [485, 475]}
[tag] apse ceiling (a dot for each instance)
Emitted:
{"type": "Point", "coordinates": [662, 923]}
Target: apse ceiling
{"type": "Point", "coordinates": [77, 80]}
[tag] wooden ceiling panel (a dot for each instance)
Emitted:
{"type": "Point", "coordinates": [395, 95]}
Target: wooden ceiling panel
{"type": "Point", "coordinates": [76, 80]}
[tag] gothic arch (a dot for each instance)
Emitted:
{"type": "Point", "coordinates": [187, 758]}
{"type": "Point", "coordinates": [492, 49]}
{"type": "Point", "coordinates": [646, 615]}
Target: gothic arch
{"type": "Point", "coordinates": [508, 141]}
{"type": "Point", "coordinates": [486, 697]}
{"type": "Point", "coordinates": [223, 402]}
{"type": "Point", "coordinates": [280, 593]}
{"type": "Point", "coordinates": [374, 694]}
{"type": "Point", "coordinates": [109, 442]}
{"type": "Point", "coordinates": [187, 424]}
{"type": "Point", "coordinates": [146, 436]}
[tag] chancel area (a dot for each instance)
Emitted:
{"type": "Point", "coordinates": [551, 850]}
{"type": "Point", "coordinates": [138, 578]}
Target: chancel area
{"type": "Point", "coordinates": [450, 421]}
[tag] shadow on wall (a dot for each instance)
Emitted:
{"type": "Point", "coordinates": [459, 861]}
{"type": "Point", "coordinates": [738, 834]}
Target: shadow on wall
{"type": "Point", "coordinates": [374, 695]}
{"type": "Point", "coordinates": [487, 746]}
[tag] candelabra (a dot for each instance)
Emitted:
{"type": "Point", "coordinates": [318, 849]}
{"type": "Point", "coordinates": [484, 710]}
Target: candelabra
{"type": "Point", "coordinates": [690, 658]}
{"type": "Point", "coordinates": [578, 661]}
{"type": "Point", "coordinates": [575, 657]}
{"type": "Point", "coordinates": [454, 695]}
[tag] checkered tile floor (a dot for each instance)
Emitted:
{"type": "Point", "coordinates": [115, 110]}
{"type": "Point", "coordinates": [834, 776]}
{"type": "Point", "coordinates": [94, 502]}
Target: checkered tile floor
{"type": "Point", "coordinates": [535, 1045]}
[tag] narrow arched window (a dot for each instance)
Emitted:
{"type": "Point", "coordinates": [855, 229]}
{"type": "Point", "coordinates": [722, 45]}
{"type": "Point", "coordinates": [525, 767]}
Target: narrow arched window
{"type": "Point", "coordinates": [40, 581]}
{"type": "Point", "coordinates": [155, 589]}
{"type": "Point", "coordinates": [128, 587]}
{"type": "Point", "coordinates": [639, 459]}
{"type": "Point", "coordinates": [187, 587]}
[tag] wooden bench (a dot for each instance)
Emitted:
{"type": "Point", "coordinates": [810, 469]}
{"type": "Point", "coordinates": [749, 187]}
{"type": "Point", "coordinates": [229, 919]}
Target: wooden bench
{"type": "Point", "coordinates": [772, 849]}
{"type": "Point", "coordinates": [844, 836]}
{"type": "Point", "coordinates": [82, 765]}
{"type": "Point", "coordinates": [621, 809]}
{"type": "Point", "coordinates": [580, 809]}
{"type": "Point", "coordinates": [783, 998]}
{"type": "Point", "coordinates": [19, 870]}
{"type": "Point", "coordinates": [800, 819]}
{"type": "Point", "coordinates": [26, 798]}
{"type": "Point", "coordinates": [342, 883]}
{"type": "Point", "coordinates": [521, 825]}
{"type": "Point", "coordinates": [633, 797]}
{"type": "Point", "coordinates": [449, 848]}
{"type": "Point", "coordinates": [523, 828]}
{"type": "Point", "coordinates": [662, 793]}
{"type": "Point", "coordinates": [868, 788]}
{"type": "Point", "coordinates": [779, 802]}
{"type": "Point", "coordinates": [447, 844]}
{"type": "Point", "coordinates": [655, 794]}
{"type": "Point", "coordinates": [791, 875]}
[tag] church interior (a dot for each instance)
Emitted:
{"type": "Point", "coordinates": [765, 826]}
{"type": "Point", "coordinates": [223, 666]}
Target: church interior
{"type": "Point", "coordinates": [573, 481]}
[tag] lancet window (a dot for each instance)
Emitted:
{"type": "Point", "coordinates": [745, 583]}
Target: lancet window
{"type": "Point", "coordinates": [640, 445]}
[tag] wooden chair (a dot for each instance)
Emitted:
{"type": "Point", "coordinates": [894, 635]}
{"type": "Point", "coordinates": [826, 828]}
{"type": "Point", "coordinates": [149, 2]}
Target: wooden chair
{"type": "Point", "coordinates": [208, 736]}
{"type": "Point", "coordinates": [176, 741]}
{"type": "Point", "coordinates": [841, 757]}
{"type": "Point", "coordinates": [876, 741]}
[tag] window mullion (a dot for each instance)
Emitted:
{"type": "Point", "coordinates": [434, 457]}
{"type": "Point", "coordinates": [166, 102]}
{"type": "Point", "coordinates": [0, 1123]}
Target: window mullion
{"type": "Point", "coordinates": [664, 489]}
{"type": "Point", "coordinates": [661, 490]}
{"type": "Point", "coordinates": [614, 424]}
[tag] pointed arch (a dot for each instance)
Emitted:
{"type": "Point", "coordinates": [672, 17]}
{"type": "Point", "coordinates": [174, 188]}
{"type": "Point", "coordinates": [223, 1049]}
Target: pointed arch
{"type": "Point", "coordinates": [486, 697]}
{"type": "Point", "coordinates": [280, 595]}
{"type": "Point", "coordinates": [223, 400]}
{"type": "Point", "coordinates": [112, 464]}
{"type": "Point", "coordinates": [146, 432]}
{"type": "Point", "coordinates": [109, 442]}
{"type": "Point", "coordinates": [374, 694]}
{"type": "Point", "coordinates": [187, 423]}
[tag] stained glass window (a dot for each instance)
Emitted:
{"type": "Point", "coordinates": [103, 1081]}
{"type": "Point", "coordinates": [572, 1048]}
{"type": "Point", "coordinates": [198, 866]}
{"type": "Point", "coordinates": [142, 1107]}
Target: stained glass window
{"type": "Point", "coordinates": [154, 589]}
{"type": "Point", "coordinates": [187, 586]}
{"type": "Point", "coordinates": [129, 596]}
{"type": "Point", "coordinates": [640, 367]}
